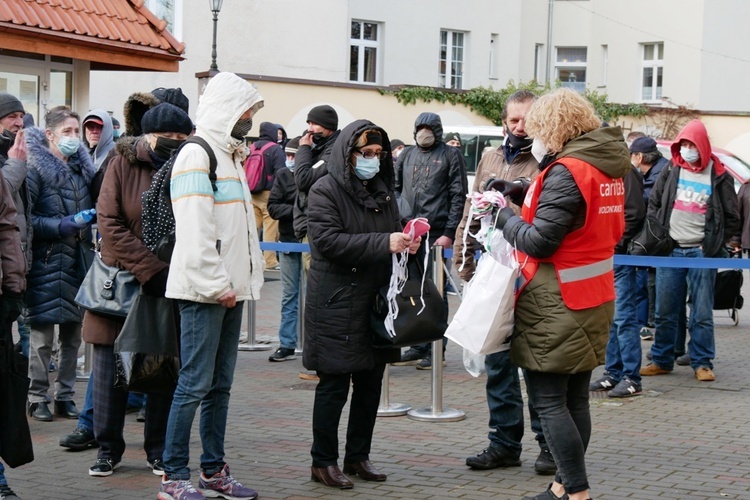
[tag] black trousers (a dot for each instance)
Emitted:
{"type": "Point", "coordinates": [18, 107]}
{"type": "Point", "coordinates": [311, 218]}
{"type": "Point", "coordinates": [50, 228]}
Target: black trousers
{"type": "Point", "coordinates": [110, 403]}
{"type": "Point", "coordinates": [330, 398]}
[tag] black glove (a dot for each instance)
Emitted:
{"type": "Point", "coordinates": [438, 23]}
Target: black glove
{"type": "Point", "coordinates": [515, 190]}
{"type": "Point", "coordinates": [69, 227]}
{"type": "Point", "coordinates": [503, 216]}
{"type": "Point", "coordinates": [11, 307]}
{"type": "Point", "coordinates": [157, 285]}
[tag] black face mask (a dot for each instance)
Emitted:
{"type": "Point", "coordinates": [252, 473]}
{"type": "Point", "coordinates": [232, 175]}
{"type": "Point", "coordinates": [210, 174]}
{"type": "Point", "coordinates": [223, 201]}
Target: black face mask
{"type": "Point", "coordinates": [318, 137]}
{"type": "Point", "coordinates": [241, 128]}
{"type": "Point", "coordinates": [519, 142]}
{"type": "Point", "coordinates": [165, 146]}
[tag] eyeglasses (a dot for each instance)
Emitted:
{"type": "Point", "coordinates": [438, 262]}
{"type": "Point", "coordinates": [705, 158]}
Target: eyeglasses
{"type": "Point", "coordinates": [371, 154]}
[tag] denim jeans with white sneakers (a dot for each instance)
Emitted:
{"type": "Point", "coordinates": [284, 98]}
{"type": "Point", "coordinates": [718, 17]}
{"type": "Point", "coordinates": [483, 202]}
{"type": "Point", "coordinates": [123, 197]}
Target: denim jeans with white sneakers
{"type": "Point", "coordinates": [671, 290]}
{"type": "Point", "coordinates": [210, 333]}
{"type": "Point", "coordinates": [623, 356]}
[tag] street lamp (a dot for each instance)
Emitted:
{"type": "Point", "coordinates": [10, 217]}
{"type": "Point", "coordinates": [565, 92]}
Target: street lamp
{"type": "Point", "coordinates": [215, 6]}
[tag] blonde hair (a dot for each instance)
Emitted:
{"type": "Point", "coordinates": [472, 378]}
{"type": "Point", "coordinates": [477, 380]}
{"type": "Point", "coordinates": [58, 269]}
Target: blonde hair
{"type": "Point", "coordinates": [363, 138]}
{"type": "Point", "coordinates": [559, 116]}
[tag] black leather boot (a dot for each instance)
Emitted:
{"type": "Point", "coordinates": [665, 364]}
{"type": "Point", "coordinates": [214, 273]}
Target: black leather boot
{"type": "Point", "coordinates": [40, 411]}
{"type": "Point", "coordinates": [66, 409]}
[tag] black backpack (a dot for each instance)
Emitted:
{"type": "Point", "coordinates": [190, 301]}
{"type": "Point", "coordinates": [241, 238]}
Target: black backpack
{"type": "Point", "coordinates": [157, 215]}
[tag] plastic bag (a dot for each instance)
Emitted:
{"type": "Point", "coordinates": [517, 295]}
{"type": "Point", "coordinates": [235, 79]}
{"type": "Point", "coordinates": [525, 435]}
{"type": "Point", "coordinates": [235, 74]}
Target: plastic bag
{"type": "Point", "coordinates": [474, 363]}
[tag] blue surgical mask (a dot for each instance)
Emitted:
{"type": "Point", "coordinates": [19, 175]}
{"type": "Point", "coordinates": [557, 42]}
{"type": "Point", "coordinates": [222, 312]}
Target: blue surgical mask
{"type": "Point", "coordinates": [689, 155]}
{"type": "Point", "coordinates": [290, 164]}
{"type": "Point", "coordinates": [68, 146]}
{"type": "Point", "coordinates": [367, 168]}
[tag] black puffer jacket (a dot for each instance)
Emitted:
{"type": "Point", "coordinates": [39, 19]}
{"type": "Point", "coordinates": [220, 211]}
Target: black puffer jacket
{"type": "Point", "coordinates": [281, 204]}
{"type": "Point", "coordinates": [56, 189]}
{"type": "Point", "coordinates": [350, 222]}
{"type": "Point", "coordinates": [309, 166]}
{"type": "Point", "coordinates": [431, 182]}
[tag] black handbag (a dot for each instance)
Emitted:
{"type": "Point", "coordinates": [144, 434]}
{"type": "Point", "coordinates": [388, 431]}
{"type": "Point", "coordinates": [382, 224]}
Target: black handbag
{"type": "Point", "coordinates": [410, 327]}
{"type": "Point", "coordinates": [652, 240]}
{"type": "Point", "coordinates": [147, 353]}
{"type": "Point", "coordinates": [107, 290]}
{"type": "Point", "coordinates": [16, 447]}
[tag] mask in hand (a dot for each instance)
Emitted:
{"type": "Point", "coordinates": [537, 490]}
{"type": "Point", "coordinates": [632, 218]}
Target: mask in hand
{"type": "Point", "coordinates": [366, 168]}
{"type": "Point", "coordinates": [538, 150]}
{"type": "Point", "coordinates": [68, 146]}
{"type": "Point", "coordinates": [241, 128]}
{"type": "Point", "coordinates": [689, 155]}
{"type": "Point", "coordinates": [425, 138]}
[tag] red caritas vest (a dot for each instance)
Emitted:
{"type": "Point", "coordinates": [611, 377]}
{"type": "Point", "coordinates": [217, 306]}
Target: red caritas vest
{"type": "Point", "coordinates": [584, 260]}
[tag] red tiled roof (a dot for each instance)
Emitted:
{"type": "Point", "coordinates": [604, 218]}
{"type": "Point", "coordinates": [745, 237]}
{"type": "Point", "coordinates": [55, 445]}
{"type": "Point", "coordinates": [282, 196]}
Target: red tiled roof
{"type": "Point", "coordinates": [118, 24]}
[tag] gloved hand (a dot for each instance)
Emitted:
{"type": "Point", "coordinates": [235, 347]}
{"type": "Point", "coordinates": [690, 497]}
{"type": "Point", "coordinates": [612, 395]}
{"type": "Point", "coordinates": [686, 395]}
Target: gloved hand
{"type": "Point", "coordinates": [11, 306]}
{"type": "Point", "coordinates": [157, 285]}
{"type": "Point", "coordinates": [515, 190]}
{"type": "Point", "coordinates": [68, 227]}
{"type": "Point", "coordinates": [502, 217]}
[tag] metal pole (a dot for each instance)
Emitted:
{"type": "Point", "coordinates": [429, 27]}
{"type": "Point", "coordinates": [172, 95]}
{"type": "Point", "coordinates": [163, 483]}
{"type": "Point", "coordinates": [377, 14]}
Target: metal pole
{"type": "Point", "coordinates": [550, 10]}
{"type": "Point", "coordinates": [88, 356]}
{"type": "Point", "coordinates": [214, 67]}
{"type": "Point", "coordinates": [301, 308]}
{"type": "Point", "coordinates": [386, 408]}
{"type": "Point", "coordinates": [436, 412]}
{"type": "Point", "coordinates": [251, 345]}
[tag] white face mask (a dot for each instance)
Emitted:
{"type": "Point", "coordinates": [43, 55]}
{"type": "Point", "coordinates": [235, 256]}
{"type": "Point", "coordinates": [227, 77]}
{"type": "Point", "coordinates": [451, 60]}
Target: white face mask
{"type": "Point", "coordinates": [689, 155]}
{"type": "Point", "coordinates": [538, 150]}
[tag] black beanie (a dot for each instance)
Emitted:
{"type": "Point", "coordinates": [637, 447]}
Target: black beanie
{"type": "Point", "coordinates": [166, 117]}
{"type": "Point", "coordinates": [9, 104]}
{"type": "Point", "coordinates": [325, 116]}
{"type": "Point", "coordinates": [172, 96]}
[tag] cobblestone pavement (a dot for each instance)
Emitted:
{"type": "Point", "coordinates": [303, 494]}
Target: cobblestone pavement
{"type": "Point", "coordinates": [681, 439]}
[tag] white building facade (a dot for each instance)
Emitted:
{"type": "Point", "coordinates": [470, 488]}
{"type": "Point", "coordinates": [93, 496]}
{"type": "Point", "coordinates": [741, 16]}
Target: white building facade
{"type": "Point", "coordinates": [694, 53]}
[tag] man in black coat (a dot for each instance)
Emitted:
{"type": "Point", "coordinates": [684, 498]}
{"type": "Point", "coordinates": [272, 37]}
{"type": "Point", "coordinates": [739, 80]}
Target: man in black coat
{"type": "Point", "coordinates": [431, 182]}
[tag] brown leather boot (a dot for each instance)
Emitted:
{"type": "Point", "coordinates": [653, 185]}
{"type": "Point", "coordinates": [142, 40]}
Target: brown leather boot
{"type": "Point", "coordinates": [365, 470]}
{"type": "Point", "coordinates": [331, 476]}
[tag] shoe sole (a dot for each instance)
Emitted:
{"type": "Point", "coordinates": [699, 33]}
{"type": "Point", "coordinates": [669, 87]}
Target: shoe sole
{"type": "Point", "coordinates": [420, 367]}
{"type": "Point", "coordinates": [412, 362]}
{"type": "Point", "coordinates": [490, 467]}
{"type": "Point", "coordinates": [285, 358]}
{"type": "Point", "coordinates": [546, 471]}
{"type": "Point", "coordinates": [104, 473]}
{"type": "Point", "coordinates": [80, 447]}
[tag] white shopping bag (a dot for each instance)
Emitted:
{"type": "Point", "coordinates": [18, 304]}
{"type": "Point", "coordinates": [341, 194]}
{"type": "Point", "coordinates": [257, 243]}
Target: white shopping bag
{"type": "Point", "coordinates": [484, 320]}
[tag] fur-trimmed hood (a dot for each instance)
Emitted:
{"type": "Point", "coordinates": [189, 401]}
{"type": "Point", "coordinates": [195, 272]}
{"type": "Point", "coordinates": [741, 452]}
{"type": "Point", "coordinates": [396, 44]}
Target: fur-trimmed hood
{"type": "Point", "coordinates": [135, 107]}
{"type": "Point", "coordinates": [52, 169]}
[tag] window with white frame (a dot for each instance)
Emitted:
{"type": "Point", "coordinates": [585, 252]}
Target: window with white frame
{"type": "Point", "coordinates": [451, 64]}
{"type": "Point", "coordinates": [170, 11]}
{"type": "Point", "coordinates": [652, 71]}
{"type": "Point", "coordinates": [570, 67]}
{"type": "Point", "coordinates": [363, 52]}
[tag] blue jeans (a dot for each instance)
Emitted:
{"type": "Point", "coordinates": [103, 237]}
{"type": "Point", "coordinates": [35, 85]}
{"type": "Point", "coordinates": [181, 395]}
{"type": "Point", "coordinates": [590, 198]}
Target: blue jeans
{"type": "Point", "coordinates": [642, 297]}
{"type": "Point", "coordinates": [671, 290]}
{"type": "Point", "coordinates": [623, 356]}
{"type": "Point", "coordinates": [24, 332]}
{"type": "Point", "coordinates": [86, 417]}
{"type": "Point", "coordinates": [291, 265]}
{"type": "Point", "coordinates": [506, 406]}
{"type": "Point", "coordinates": [208, 351]}
{"type": "Point", "coordinates": [2, 474]}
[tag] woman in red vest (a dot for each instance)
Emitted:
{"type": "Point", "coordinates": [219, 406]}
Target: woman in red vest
{"type": "Point", "coordinates": [572, 217]}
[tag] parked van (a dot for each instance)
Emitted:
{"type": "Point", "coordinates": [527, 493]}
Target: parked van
{"type": "Point", "coordinates": [474, 140]}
